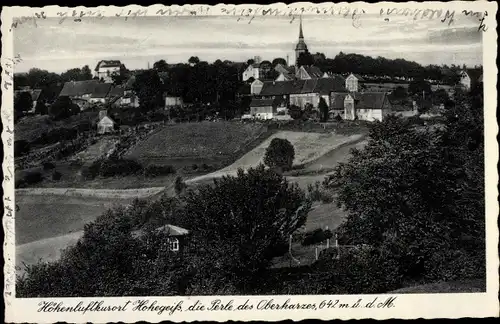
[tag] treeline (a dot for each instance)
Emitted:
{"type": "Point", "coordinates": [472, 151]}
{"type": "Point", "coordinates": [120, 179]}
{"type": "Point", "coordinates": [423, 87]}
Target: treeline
{"type": "Point", "coordinates": [201, 82]}
{"type": "Point", "coordinates": [380, 66]}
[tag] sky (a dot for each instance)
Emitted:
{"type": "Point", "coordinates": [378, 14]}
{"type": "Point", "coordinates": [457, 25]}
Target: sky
{"type": "Point", "coordinates": [140, 41]}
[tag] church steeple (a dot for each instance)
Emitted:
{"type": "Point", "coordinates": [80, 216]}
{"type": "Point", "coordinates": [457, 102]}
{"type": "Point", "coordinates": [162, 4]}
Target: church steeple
{"type": "Point", "coordinates": [301, 35]}
{"type": "Point", "coordinates": [301, 45]}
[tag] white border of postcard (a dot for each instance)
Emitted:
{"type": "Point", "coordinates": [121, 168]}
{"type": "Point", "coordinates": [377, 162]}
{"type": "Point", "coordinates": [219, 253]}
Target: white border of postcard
{"type": "Point", "coordinates": [406, 306]}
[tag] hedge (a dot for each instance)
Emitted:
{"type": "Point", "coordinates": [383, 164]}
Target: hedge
{"type": "Point", "coordinates": [158, 170]}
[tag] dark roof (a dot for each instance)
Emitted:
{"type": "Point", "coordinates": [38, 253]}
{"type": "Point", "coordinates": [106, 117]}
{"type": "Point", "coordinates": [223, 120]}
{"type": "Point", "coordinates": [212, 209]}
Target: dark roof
{"type": "Point", "coordinates": [261, 102]}
{"type": "Point", "coordinates": [359, 77]}
{"type": "Point", "coordinates": [474, 74]}
{"type": "Point", "coordinates": [363, 100]}
{"type": "Point", "coordinates": [35, 93]}
{"type": "Point", "coordinates": [279, 88]}
{"type": "Point", "coordinates": [116, 91]}
{"type": "Point", "coordinates": [108, 63]}
{"type": "Point", "coordinates": [373, 100]}
{"type": "Point", "coordinates": [322, 86]}
{"type": "Point", "coordinates": [78, 88]}
{"type": "Point", "coordinates": [337, 101]}
{"type": "Point", "coordinates": [325, 86]}
{"type": "Point", "coordinates": [101, 90]}
{"type": "Point", "coordinates": [313, 71]}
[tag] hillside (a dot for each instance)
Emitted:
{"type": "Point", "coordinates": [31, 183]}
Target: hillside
{"type": "Point", "coordinates": [210, 143]}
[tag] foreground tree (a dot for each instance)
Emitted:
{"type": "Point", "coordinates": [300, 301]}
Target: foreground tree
{"type": "Point", "coordinates": [323, 110]}
{"type": "Point", "coordinates": [239, 223]}
{"type": "Point", "coordinates": [280, 154]}
{"type": "Point", "coordinates": [428, 209]}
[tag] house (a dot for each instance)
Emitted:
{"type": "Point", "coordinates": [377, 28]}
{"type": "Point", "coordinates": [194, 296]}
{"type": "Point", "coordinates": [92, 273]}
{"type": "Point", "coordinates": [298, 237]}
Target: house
{"type": "Point", "coordinates": [303, 92]}
{"type": "Point", "coordinates": [78, 89]}
{"type": "Point", "coordinates": [266, 108]}
{"type": "Point", "coordinates": [100, 93]}
{"type": "Point", "coordinates": [173, 101]}
{"type": "Point", "coordinates": [175, 238]}
{"type": "Point", "coordinates": [314, 89]}
{"type": "Point", "coordinates": [105, 125]}
{"type": "Point", "coordinates": [352, 82]}
{"type": "Point", "coordinates": [256, 87]}
{"type": "Point", "coordinates": [369, 106]}
{"type": "Point", "coordinates": [105, 69]}
{"type": "Point", "coordinates": [308, 72]}
{"type": "Point", "coordinates": [129, 98]}
{"type": "Point", "coordinates": [252, 71]}
{"type": "Point", "coordinates": [285, 77]}
{"type": "Point", "coordinates": [470, 78]}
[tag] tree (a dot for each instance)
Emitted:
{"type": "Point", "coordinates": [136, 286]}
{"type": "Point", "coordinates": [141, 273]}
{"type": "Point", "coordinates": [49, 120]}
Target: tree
{"type": "Point", "coordinates": [122, 76]}
{"type": "Point", "coordinates": [23, 103]}
{"type": "Point", "coordinates": [61, 108]}
{"type": "Point", "coordinates": [323, 109]}
{"type": "Point", "coordinates": [238, 222]}
{"type": "Point", "coordinates": [305, 58]}
{"type": "Point", "coordinates": [41, 108]}
{"type": "Point", "coordinates": [419, 87]}
{"type": "Point", "coordinates": [86, 73]}
{"type": "Point", "coordinates": [250, 61]}
{"type": "Point", "coordinates": [160, 66]}
{"type": "Point", "coordinates": [149, 89]}
{"type": "Point", "coordinates": [279, 60]}
{"type": "Point", "coordinates": [440, 96]}
{"type": "Point", "coordinates": [399, 93]}
{"type": "Point", "coordinates": [420, 217]}
{"type": "Point", "coordinates": [280, 153]}
{"type": "Point", "coordinates": [295, 112]}
{"type": "Point", "coordinates": [193, 60]}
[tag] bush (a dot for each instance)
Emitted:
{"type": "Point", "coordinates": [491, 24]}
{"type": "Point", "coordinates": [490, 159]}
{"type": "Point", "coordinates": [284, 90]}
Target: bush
{"type": "Point", "coordinates": [158, 170]}
{"type": "Point", "coordinates": [116, 167]}
{"type": "Point", "coordinates": [316, 193]}
{"type": "Point", "coordinates": [280, 153]}
{"type": "Point", "coordinates": [194, 166]}
{"type": "Point", "coordinates": [56, 175]}
{"type": "Point", "coordinates": [317, 236]}
{"type": "Point", "coordinates": [48, 166]}
{"type": "Point", "coordinates": [27, 178]}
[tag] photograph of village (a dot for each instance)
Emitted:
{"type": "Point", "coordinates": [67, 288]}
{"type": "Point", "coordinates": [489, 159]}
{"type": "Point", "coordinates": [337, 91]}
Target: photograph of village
{"type": "Point", "coordinates": [174, 156]}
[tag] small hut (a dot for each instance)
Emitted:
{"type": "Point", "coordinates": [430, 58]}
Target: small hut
{"type": "Point", "coordinates": [105, 125]}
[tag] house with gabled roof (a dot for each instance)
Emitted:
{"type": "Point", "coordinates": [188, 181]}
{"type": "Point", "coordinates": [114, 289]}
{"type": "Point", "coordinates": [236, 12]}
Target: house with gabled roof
{"type": "Point", "coordinates": [369, 106]}
{"type": "Point", "coordinates": [469, 78]}
{"type": "Point", "coordinates": [78, 89]}
{"type": "Point", "coordinates": [100, 93]}
{"type": "Point", "coordinates": [308, 72]}
{"type": "Point", "coordinates": [252, 71]}
{"type": "Point", "coordinates": [352, 82]}
{"type": "Point", "coordinates": [105, 69]}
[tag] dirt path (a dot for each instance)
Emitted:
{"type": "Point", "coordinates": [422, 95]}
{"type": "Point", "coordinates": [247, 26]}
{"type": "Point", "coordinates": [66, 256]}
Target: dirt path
{"type": "Point", "coordinates": [94, 193]}
{"type": "Point", "coordinates": [308, 148]}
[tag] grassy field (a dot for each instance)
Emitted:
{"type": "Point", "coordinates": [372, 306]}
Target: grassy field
{"type": "Point", "coordinates": [308, 147]}
{"type": "Point", "coordinates": [196, 143]}
{"type": "Point", "coordinates": [41, 217]}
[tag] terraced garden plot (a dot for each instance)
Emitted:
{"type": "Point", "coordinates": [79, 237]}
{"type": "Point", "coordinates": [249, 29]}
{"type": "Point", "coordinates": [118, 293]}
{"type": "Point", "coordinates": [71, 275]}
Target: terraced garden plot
{"type": "Point", "coordinates": [198, 142]}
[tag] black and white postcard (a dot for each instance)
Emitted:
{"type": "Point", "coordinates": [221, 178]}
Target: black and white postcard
{"type": "Point", "coordinates": [250, 162]}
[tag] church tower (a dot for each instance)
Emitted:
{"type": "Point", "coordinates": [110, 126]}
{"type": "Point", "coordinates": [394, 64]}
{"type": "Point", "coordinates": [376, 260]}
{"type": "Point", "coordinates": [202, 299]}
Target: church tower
{"type": "Point", "coordinates": [301, 45]}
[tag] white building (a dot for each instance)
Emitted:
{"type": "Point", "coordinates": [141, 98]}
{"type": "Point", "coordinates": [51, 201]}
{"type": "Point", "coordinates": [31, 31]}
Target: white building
{"type": "Point", "coordinates": [105, 69]}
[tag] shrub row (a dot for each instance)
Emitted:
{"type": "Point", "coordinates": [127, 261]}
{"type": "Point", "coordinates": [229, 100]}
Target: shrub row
{"type": "Point", "coordinates": [158, 170]}
{"type": "Point", "coordinates": [122, 167]}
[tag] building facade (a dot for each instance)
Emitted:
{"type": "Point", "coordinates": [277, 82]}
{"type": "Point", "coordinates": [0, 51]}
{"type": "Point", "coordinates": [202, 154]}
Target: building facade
{"type": "Point", "coordinates": [105, 70]}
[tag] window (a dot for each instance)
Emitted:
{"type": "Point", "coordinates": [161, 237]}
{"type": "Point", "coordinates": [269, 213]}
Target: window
{"type": "Point", "coordinates": [173, 244]}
